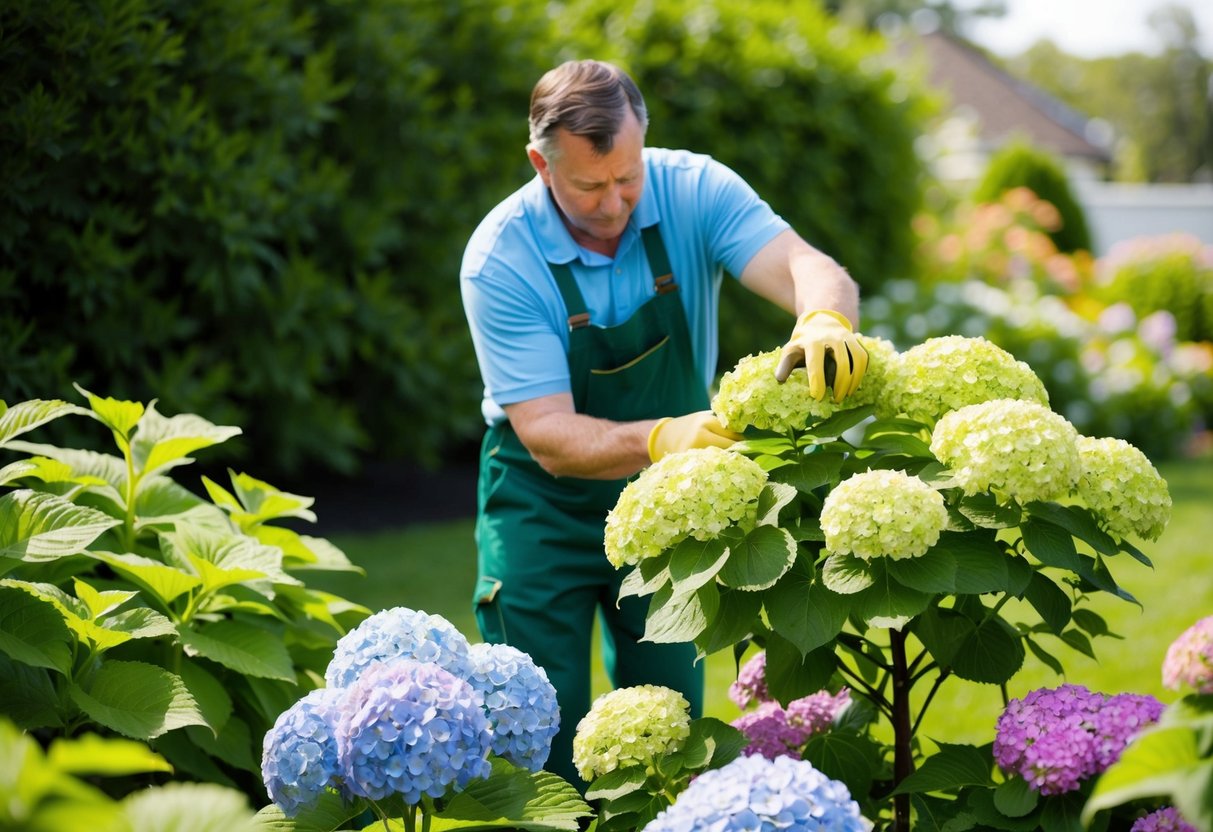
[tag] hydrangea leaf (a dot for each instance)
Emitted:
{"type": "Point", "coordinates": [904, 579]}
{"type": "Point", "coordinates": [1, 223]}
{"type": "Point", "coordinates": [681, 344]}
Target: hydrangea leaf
{"type": "Point", "coordinates": [809, 471]}
{"type": "Point", "coordinates": [992, 653]}
{"type": "Point", "coordinates": [615, 784]}
{"type": "Point", "coordinates": [711, 743]}
{"type": "Point", "coordinates": [245, 648]}
{"type": "Point", "coordinates": [1050, 601]}
{"type": "Point", "coordinates": [329, 812]}
{"type": "Point", "coordinates": [29, 696]}
{"type": "Point", "coordinates": [790, 676]}
{"type": "Point", "coordinates": [27, 415]}
{"type": "Point", "coordinates": [1015, 798]}
{"type": "Point", "coordinates": [980, 804]}
{"type": "Point", "coordinates": [851, 758]}
{"type": "Point", "coordinates": [759, 559]}
{"type": "Point", "coordinates": [1162, 761]}
{"type": "Point", "coordinates": [840, 422]}
{"type": "Point", "coordinates": [681, 617]}
{"type": "Point", "coordinates": [176, 806]}
{"type": "Point", "coordinates": [163, 582]}
{"type": "Point", "coordinates": [952, 767]}
{"type": "Point", "coordinates": [985, 511]}
{"type": "Point", "coordinates": [1050, 544]}
{"type": "Point", "coordinates": [934, 572]}
{"type": "Point", "coordinates": [803, 610]}
{"type": "Point", "coordinates": [35, 526]}
{"type": "Point", "coordinates": [160, 442]}
{"type": "Point", "coordinates": [1078, 521]}
{"type": "Point", "coordinates": [847, 574]}
{"type": "Point", "coordinates": [887, 604]}
{"type": "Point", "coordinates": [138, 700]}
{"type": "Point", "coordinates": [1062, 813]}
{"type": "Point", "coordinates": [943, 632]}
{"type": "Point", "coordinates": [694, 563]}
{"type": "Point", "coordinates": [733, 622]}
{"type": "Point", "coordinates": [111, 757]}
{"type": "Point", "coordinates": [33, 630]}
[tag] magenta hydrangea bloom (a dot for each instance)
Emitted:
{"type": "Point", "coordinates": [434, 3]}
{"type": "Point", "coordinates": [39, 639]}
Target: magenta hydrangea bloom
{"type": "Point", "coordinates": [774, 731]}
{"type": "Point", "coordinates": [1055, 738]}
{"type": "Point", "coordinates": [1189, 659]}
{"type": "Point", "coordinates": [1164, 820]}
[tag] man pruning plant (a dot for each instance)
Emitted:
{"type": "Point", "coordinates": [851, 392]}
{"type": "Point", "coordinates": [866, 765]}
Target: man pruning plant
{"type": "Point", "coordinates": [592, 295]}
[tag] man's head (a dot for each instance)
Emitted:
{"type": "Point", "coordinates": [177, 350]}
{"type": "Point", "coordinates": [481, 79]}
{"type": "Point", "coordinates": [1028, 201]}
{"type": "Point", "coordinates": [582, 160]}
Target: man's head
{"type": "Point", "coordinates": [588, 121]}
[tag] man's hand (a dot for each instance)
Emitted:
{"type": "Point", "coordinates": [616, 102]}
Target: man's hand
{"type": "Point", "coordinates": [817, 335]}
{"type": "Point", "coordinates": [695, 430]}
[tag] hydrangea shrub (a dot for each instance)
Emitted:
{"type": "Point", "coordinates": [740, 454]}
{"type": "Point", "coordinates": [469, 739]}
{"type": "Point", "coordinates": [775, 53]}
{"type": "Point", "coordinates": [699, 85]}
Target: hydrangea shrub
{"type": "Point", "coordinates": [877, 553]}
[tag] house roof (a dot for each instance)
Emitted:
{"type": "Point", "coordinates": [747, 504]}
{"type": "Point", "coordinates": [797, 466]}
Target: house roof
{"type": "Point", "coordinates": [1005, 107]}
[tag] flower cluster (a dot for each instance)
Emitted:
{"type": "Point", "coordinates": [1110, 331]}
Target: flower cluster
{"type": "Point", "coordinates": [749, 395]}
{"type": "Point", "coordinates": [883, 513]}
{"type": "Point", "coordinates": [950, 372]}
{"type": "Point", "coordinates": [1123, 488]}
{"type": "Point", "coordinates": [1166, 819]}
{"type": "Point", "coordinates": [411, 729]}
{"type": "Point", "coordinates": [1019, 448]}
{"type": "Point", "coordinates": [520, 703]}
{"type": "Point", "coordinates": [299, 756]}
{"type": "Point", "coordinates": [411, 710]}
{"type": "Point", "coordinates": [756, 793]}
{"type": "Point", "coordinates": [630, 726]}
{"type": "Point", "coordinates": [696, 493]}
{"type": "Point", "coordinates": [774, 731]}
{"type": "Point", "coordinates": [1055, 738]}
{"type": "Point", "coordinates": [1189, 659]}
{"type": "Point", "coordinates": [751, 683]}
{"type": "Point", "coordinates": [398, 633]}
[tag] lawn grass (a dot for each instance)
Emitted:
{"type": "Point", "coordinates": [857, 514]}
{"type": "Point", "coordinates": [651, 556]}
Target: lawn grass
{"type": "Point", "coordinates": [432, 567]}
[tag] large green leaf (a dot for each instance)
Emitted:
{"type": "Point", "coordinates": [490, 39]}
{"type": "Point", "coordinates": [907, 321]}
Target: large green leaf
{"type": "Point", "coordinates": [694, 563]}
{"type": "Point", "coordinates": [987, 512]}
{"type": "Point", "coordinates": [174, 807]}
{"type": "Point", "coordinates": [680, 618]}
{"type": "Point", "coordinates": [512, 798]}
{"type": "Point", "coordinates": [933, 572]}
{"type": "Point", "coordinates": [140, 622]}
{"type": "Point", "coordinates": [847, 574]}
{"type": "Point", "coordinates": [38, 527]}
{"type": "Point", "coordinates": [329, 812]}
{"type": "Point", "coordinates": [242, 647]}
{"type": "Point", "coordinates": [803, 610]}
{"type": "Point", "coordinates": [138, 700]}
{"type": "Point", "coordinates": [1048, 599]}
{"type": "Point", "coordinates": [33, 630]}
{"type": "Point", "coordinates": [255, 502]}
{"type": "Point", "coordinates": [1078, 521]}
{"type": "Point", "coordinates": [887, 603]}
{"type": "Point", "coordinates": [791, 676]}
{"type": "Point", "coordinates": [212, 698]}
{"type": "Point", "coordinates": [772, 499]}
{"type": "Point", "coordinates": [161, 581]}
{"type": "Point", "coordinates": [953, 767]}
{"type": "Point", "coordinates": [711, 744]}
{"type": "Point", "coordinates": [943, 632]}
{"type": "Point", "coordinates": [160, 443]}
{"type": "Point", "coordinates": [303, 552]}
{"type": "Point", "coordinates": [1163, 761]}
{"type": "Point", "coordinates": [734, 620]}
{"type": "Point", "coordinates": [840, 422]}
{"type": "Point", "coordinates": [90, 754]}
{"type": "Point", "coordinates": [991, 653]}
{"type": "Point", "coordinates": [809, 471]}
{"type": "Point", "coordinates": [1050, 544]}
{"type": "Point", "coordinates": [224, 559]}
{"type": "Point", "coordinates": [853, 759]}
{"type": "Point", "coordinates": [27, 695]}
{"type": "Point", "coordinates": [618, 783]}
{"type": "Point", "coordinates": [117, 415]}
{"type": "Point", "coordinates": [27, 415]}
{"type": "Point", "coordinates": [759, 559]}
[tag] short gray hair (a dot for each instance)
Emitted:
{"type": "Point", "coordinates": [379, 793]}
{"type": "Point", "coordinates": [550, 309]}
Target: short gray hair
{"type": "Point", "coordinates": [587, 98]}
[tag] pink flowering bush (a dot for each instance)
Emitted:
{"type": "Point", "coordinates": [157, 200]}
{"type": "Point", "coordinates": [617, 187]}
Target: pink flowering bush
{"type": "Point", "coordinates": [772, 730]}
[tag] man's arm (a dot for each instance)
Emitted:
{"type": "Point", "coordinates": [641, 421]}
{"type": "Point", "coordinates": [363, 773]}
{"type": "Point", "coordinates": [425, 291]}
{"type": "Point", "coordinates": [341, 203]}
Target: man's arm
{"type": "Point", "coordinates": [798, 278]}
{"type": "Point", "coordinates": [570, 444]}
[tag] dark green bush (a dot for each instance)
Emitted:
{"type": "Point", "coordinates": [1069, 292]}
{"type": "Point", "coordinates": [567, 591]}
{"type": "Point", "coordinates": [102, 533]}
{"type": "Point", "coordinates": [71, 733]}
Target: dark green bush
{"type": "Point", "coordinates": [804, 108]}
{"type": "Point", "coordinates": [1019, 164]}
{"type": "Point", "coordinates": [256, 208]}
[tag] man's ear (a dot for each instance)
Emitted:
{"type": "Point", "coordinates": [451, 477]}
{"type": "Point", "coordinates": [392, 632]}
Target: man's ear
{"type": "Point", "coordinates": [540, 165]}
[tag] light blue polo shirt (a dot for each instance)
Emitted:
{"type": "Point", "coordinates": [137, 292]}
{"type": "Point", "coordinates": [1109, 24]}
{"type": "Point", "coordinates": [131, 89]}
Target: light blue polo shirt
{"type": "Point", "coordinates": [711, 222]}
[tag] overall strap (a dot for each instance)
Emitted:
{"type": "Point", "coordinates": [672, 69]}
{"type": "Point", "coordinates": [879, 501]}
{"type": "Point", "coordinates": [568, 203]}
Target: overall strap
{"type": "Point", "coordinates": [659, 261]}
{"type": "Point", "coordinates": [574, 303]}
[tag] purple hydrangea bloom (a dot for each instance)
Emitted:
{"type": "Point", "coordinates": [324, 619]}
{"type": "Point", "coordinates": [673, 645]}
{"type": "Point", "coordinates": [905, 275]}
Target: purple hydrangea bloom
{"type": "Point", "coordinates": [398, 633]}
{"type": "Point", "coordinates": [299, 754]}
{"type": "Point", "coordinates": [753, 793]}
{"type": "Point", "coordinates": [751, 684]}
{"type": "Point", "coordinates": [773, 731]}
{"type": "Point", "coordinates": [1055, 738]}
{"type": "Point", "coordinates": [519, 701]}
{"type": "Point", "coordinates": [411, 729]}
{"type": "Point", "coordinates": [1164, 820]}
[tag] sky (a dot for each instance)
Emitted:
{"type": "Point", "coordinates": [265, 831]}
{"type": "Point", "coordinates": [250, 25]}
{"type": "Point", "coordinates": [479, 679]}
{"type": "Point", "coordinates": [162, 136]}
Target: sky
{"type": "Point", "coordinates": [1087, 28]}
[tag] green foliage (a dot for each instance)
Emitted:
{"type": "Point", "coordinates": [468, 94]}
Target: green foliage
{"type": "Point", "coordinates": [135, 607]}
{"type": "Point", "coordinates": [56, 789]}
{"type": "Point", "coordinates": [242, 208]}
{"type": "Point", "coordinates": [805, 109]}
{"type": "Point", "coordinates": [1019, 165]}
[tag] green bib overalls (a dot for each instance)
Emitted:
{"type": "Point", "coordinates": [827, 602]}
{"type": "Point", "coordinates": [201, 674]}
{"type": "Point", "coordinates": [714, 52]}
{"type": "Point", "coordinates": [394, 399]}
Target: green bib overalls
{"type": "Point", "coordinates": [542, 568]}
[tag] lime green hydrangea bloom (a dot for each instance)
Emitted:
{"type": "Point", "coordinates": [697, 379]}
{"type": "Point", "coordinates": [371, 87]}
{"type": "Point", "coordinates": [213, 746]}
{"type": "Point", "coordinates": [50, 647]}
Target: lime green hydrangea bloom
{"type": "Point", "coordinates": [883, 514]}
{"type": "Point", "coordinates": [630, 726]}
{"type": "Point", "coordinates": [948, 373]}
{"type": "Point", "coordinates": [749, 395]}
{"type": "Point", "coordinates": [1018, 448]}
{"type": "Point", "coordinates": [696, 493]}
{"type": "Point", "coordinates": [1123, 488]}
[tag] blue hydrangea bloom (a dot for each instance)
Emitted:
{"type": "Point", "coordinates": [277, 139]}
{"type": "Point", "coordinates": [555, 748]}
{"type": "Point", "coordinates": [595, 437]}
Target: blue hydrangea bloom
{"type": "Point", "coordinates": [754, 793]}
{"type": "Point", "coordinates": [299, 754]}
{"type": "Point", "coordinates": [520, 703]}
{"type": "Point", "coordinates": [398, 633]}
{"type": "Point", "coordinates": [411, 729]}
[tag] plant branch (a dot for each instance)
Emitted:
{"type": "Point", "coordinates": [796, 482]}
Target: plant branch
{"type": "Point", "coordinates": [944, 672]}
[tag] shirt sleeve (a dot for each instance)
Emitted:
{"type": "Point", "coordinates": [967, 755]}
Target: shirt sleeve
{"type": "Point", "coordinates": [739, 222]}
{"type": "Point", "coordinates": [518, 346]}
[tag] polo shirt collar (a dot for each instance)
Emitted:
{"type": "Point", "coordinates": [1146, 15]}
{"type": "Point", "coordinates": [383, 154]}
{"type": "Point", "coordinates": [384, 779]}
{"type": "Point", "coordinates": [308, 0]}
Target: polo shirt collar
{"type": "Point", "coordinates": [553, 238]}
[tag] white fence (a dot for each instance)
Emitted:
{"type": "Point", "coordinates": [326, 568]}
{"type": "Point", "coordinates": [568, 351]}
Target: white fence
{"type": "Point", "coordinates": [1119, 211]}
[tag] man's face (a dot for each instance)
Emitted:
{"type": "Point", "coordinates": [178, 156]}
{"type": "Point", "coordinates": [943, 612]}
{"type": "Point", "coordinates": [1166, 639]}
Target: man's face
{"type": "Point", "coordinates": [596, 193]}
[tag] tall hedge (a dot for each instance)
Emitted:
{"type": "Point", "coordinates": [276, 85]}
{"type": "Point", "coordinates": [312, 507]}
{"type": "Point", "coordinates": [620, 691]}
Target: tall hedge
{"type": "Point", "coordinates": [1019, 164]}
{"type": "Point", "coordinates": [809, 111]}
{"type": "Point", "coordinates": [255, 209]}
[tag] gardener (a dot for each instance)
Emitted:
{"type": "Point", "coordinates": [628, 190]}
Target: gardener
{"type": "Point", "coordinates": [592, 296]}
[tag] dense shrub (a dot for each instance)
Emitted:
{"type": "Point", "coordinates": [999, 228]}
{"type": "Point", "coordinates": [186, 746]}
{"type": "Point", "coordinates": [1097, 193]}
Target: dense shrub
{"type": "Point", "coordinates": [256, 209]}
{"type": "Point", "coordinates": [1172, 272]}
{"type": "Point", "coordinates": [1019, 165]}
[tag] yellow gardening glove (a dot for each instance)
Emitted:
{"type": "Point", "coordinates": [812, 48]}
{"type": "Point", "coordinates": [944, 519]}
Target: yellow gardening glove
{"type": "Point", "coordinates": [821, 335]}
{"type": "Point", "coordinates": [695, 430]}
